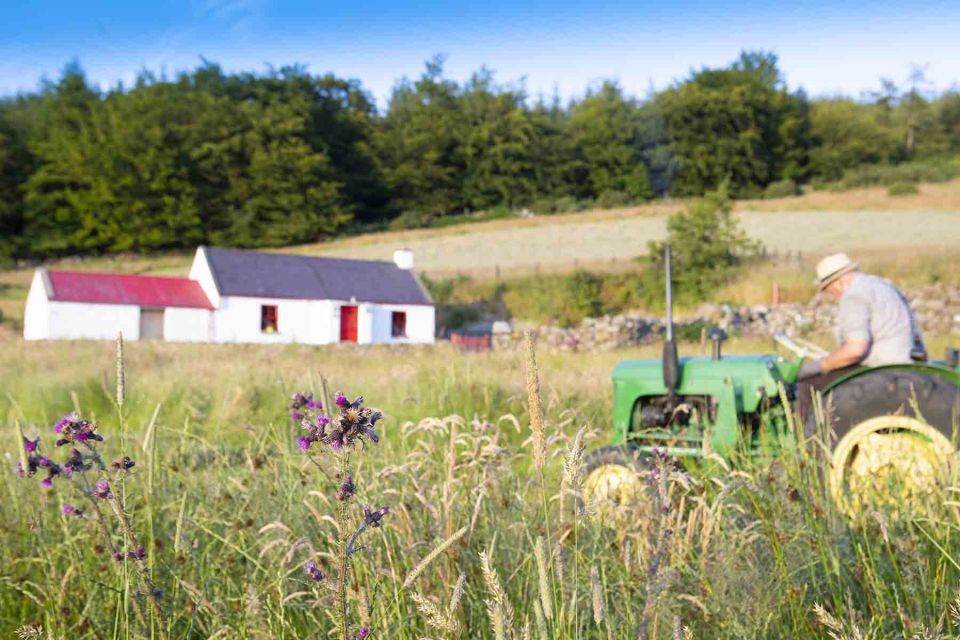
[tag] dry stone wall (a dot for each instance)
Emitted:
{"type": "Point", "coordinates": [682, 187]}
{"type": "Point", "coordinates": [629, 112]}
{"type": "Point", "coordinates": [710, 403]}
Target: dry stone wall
{"type": "Point", "coordinates": [936, 307]}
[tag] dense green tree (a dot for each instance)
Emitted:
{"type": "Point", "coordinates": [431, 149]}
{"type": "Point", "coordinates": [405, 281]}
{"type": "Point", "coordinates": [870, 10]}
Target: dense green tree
{"type": "Point", "coordinates": [738, 124]}
{"type": "Point", "coordinates": [495, 137]}
{"type": "Point", "coordinates": [285, 156]}
{"type": "Point", "coordinates": [16, 165]}
{"type": "Point", "coordinates": [417, 145]}
{"type": "Point", "coordinates": [849, 134]}
{"type": "Point", "coordinates": [604, 127]}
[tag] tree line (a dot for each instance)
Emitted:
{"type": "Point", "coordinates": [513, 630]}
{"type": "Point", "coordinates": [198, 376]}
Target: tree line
{"type": "Point", "coordinates": [286, 156]}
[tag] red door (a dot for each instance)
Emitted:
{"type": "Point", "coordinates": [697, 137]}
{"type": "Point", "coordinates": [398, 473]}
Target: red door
{"type": "Point", "coordinates": [348, 324]}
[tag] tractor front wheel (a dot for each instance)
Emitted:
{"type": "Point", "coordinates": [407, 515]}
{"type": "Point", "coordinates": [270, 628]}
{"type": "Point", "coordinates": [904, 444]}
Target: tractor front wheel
{"type": "Point", "coordinates": [612, 482]}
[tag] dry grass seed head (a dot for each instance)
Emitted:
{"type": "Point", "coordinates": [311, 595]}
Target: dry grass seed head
{"type": "Point", "coordinates": [535, 406]}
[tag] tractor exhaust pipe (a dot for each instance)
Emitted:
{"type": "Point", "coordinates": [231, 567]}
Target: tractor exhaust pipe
{"type": "Point", "coordinates": [671, 363]}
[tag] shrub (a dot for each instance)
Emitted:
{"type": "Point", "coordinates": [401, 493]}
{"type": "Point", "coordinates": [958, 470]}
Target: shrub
{"type": "Point", "coordinates": [567, 204]}
{"type": "Point", "coordinates": [583, 292]}
{"type": "Point", "coordinates": [902, 189]}
{"type": "Point", "coordinates": [410, 220]}
{"type": "Point", "coordinates": [612, 198]}
{"type": "Point", "coordinates": [781, 189]}
{"type": "Point", "coordinates": [544, 206]}
{"type": "Point", "coordinates": [888, 175]}
{"type": "Point", "coordinates": [708, 250]}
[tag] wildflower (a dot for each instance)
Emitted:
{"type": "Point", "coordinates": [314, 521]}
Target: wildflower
{"type": "Point", "coordinates": [74, 463]}
{"type": "Point", "coordinates": [304, 442]}
{"type": "Point", "coordinates": [117, 556]}
{"type": "Point", "coordinates": [30, 445]}
{"type": "Point", "coordinates": [124, 463]}
{"type": "Point", "coordinates": [313, 572]}
{"type": "Point", "coordinates": [73, 428]}
{"type": "Point", "coordinates": [139, 554]}
{"type": "Point", "coordinates": [70, 510]}
{"type": "Point", "coordinates": [354, 422]}
{"type": "Point", "coordinates": [346, 488]}
{"type": "Point", "coordinates": [47, 483]}
{"type": "Point", "coordinates": [361, 634]}
{"type": "Point", "coordinates": [372, 518]}
{"type": "Point", "coordinates": [299, 402]}
{"type": "Point", "coordinates": [102, 490]}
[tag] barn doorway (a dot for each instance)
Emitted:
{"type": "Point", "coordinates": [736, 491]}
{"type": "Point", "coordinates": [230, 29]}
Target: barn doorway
{"type": "Point", "coordinates": [151, 324]}
{"type": "Point", "coordinates": [348, 323]}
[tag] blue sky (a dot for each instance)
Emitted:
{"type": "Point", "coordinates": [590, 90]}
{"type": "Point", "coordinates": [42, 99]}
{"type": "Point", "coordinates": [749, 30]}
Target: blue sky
{"type": "Point", "coordinates": [827, 47]}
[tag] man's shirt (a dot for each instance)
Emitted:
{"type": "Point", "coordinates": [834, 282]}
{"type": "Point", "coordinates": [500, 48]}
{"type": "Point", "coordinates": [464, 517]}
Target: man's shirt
{"type": "Point", "coordinates": [872, 309]}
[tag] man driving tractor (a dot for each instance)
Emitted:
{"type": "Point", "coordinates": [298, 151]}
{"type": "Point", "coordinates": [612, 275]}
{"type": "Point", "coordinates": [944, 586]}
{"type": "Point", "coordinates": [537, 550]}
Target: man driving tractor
{"type": "Point", "coordinates": [875, 326]}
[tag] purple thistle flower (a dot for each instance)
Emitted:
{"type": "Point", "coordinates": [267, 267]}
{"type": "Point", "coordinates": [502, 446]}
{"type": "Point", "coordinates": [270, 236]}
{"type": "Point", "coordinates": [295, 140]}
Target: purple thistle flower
{"type": "Point", "coordinates": [124, 463]}
{"type": "Point", "coordinates": [346, 488]}
{"type": "Point", "coordinates": [117, 556]}
{"type": "Point", "coordinates": [44, 462]}
{"type": "Point", "coordinates": [361, 634]}
{"type": "Point", "coordinates": [322, 421]}
{"type": "Point", "coordinates": [73, 428]}
{"type": "Point", "coordinates": [47, 483]}
{"type": "Point", "coordinates": [313, 571]}
{"type": "Point", "coordinates": [295, 415]}
{"type": "Point", "coordinates": [70, 510]}
{"type": "Point", "coordinates": [139, 554]}
{"type": "Point", "coordinates": [31, 445]}
{"type": "Point", "coordinates": [341, 400]}
{"type": "Point", "coordinates": [102, 490]}
{"type": "Point", "coordinates": [304, 442]}
{"type": "Point", "coordinates": [372, 518]}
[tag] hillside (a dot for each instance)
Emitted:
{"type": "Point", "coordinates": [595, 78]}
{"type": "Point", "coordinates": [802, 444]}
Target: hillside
{"type": "Point", "coordinates": [868, 220]}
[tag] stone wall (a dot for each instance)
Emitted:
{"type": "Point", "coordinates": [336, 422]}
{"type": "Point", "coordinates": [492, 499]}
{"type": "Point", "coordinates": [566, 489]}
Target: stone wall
{"type": "Point", "coordinates": [936, 307]}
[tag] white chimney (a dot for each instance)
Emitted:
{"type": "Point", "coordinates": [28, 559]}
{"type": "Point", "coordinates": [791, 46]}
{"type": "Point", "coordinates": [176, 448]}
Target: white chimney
{"type": "Point", "coordinates": [403, 258]}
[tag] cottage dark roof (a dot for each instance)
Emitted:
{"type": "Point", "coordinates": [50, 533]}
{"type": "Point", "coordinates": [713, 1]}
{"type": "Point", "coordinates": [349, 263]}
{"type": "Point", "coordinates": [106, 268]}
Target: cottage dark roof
{"type": "Point", "coordinates": [121, 288]}
{"type": "Point", "coordinates": [278, 275]}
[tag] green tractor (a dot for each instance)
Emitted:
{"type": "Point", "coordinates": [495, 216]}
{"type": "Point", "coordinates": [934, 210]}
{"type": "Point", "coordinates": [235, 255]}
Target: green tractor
{"type": "Point", "coordinates": [893, 423]}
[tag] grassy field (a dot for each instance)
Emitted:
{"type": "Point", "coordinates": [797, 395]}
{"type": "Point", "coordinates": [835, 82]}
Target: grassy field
{"type": "Point", "coordinates": [229, 510]}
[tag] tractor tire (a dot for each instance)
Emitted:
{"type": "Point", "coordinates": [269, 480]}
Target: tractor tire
{"type": "Point", "coordinates": [895, 444]}
{"type": "Point", "coordinates": [613, 482]}
{"type": "Point", "coordinates": [891, 392]}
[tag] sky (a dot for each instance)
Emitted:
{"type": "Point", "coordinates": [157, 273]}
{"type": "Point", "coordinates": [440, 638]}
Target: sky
{"type": "Point", "coordinates": [827, 47]}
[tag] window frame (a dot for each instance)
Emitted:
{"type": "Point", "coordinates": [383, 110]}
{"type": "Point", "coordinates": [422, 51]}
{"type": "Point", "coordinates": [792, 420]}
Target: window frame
{"type": "Point", "coordinates": [393, 324]}
{"type": "Point", "coordinates": [267, 310]}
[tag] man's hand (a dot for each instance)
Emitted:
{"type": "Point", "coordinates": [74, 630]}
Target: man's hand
{"type": "Point", "coordinates": [809, 369]}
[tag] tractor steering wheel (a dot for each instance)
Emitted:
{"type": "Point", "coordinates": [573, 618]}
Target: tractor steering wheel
{"type": "Point", "coordinates": [800, 348]}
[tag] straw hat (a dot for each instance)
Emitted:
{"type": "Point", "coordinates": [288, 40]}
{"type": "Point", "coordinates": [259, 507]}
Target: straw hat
{"type": "Point", "coordinates": [832, 267]}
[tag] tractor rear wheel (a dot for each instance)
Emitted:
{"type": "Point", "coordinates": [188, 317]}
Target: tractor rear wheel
{"type": "Point", "coordinates": [895, 438]}
{"type": "Point", "coordinates": [612, 482]}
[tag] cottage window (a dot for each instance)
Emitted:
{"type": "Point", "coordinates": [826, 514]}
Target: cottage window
{"type": "Point", "coordinates": [268, 318]}
{"type": "Point", "coordinates": [398, 324]}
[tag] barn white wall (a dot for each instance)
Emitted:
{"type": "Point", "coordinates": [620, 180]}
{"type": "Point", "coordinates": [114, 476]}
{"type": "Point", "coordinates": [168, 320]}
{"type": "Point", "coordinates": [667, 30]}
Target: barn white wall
{"type": "Point", "coordinates": [36, 313]}
{"type": "Point", "coordinates": [420, 323]}
{"type": "Point", "coordinates": [304, 321]}
{"type": "Point", "coordinates": [200, 271]}
{"type": "Point", "coordinates": [184, 324]}
{"type": "Point", "coordinates": [79, 320]}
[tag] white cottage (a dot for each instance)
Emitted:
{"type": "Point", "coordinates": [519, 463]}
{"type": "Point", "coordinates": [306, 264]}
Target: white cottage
{"type": "Point", "coordinates": [239, 296]}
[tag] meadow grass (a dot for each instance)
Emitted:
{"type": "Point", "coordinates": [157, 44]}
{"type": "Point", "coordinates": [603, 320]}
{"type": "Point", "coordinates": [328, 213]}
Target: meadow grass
{"type": "Point", "coordinates": [480, 542]}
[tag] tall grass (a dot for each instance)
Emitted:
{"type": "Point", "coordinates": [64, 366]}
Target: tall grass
{"type": "Point", "coordinates": [748, 549]}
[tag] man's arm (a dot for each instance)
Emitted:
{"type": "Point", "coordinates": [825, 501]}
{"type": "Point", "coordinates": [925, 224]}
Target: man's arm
{"type": "Point", "coordinates": [849, 353]}
{"type": "Point", "coordinates": [853, 316]}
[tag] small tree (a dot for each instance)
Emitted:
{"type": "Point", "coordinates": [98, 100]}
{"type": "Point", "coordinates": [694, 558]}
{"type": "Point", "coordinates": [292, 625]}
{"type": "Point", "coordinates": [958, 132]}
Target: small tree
{"type": "Point", "coordinates": [708, 250]}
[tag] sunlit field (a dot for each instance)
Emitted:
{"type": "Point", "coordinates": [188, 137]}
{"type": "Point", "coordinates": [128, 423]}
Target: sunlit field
{"type": "Point", "coordinates": [229, 510]}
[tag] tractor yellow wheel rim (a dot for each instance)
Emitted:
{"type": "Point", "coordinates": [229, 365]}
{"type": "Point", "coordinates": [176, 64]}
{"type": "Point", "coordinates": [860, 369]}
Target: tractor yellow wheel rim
{"type": "Point", "coordinates": [610, 489]}
{"type": "Point", "coordinates": [889, 461]}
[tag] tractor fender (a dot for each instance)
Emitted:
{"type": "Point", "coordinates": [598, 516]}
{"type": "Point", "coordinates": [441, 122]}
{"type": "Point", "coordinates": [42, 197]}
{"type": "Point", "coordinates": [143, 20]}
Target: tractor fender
{"type": "Point", "coordinates": [922, 368]}
{"type": "Point", "coordinates": [891, 390]}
